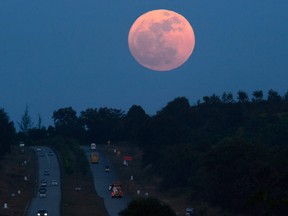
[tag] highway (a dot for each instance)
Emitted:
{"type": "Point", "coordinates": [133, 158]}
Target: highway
{"type": "Point", "coordinates": [102, 180]}
{"type": "Point", "coordinates": [47, 161]}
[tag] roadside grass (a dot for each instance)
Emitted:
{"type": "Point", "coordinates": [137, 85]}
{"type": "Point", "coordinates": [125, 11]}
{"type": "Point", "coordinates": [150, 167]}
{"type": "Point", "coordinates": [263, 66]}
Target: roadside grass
{"type": "Point", "coordinates": [78, 193]}
{"type": "Point", "coordinates": [14, 190]}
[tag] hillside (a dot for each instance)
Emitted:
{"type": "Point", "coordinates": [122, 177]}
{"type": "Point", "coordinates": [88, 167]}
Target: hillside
{"type": "Point", "coordinates": [225, 154]}
{"type": "Point", "coordinates": [144, 182]}
{"type": "Point", "coordinates": [14, 190]}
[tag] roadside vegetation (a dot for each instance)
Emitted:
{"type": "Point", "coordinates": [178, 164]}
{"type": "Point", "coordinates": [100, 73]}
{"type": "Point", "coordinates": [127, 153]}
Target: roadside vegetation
{"type": "Point", "coordinates": [226, 154]}
{"type": "Point", "coordinates": [16, 191]}
{"type": "Point", "coordinates": [147, 206]}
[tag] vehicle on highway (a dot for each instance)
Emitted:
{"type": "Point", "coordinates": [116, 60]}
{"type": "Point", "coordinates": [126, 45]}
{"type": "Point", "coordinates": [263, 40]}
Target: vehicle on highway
{"type": "Point", "coordinates": [42, 212]}
{"type": "Point", "coordinates": [107, 168]}
{"type": "Point", "coordinates": [116, 190]}
{"type": "Point", "coordinates": [94, 157]}
{"type": "Point", "coordinates": [54, 182]}
{"type": "Point", "coordinates": [42, 192]}
{"type": "Point", "coordinates": [43, 183]}
{"type": "Point", "coordinates": [93, 146]}
{"type": "Point", "coordinates": [46, 172]}
{"type": "Point", "coordinates": [189, 212]}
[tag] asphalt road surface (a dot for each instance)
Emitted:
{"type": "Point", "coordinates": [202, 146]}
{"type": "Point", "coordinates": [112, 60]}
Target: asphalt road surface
{"type": "Point", "coordinates": [102, 180]}
{"type": "Point", "coordinates": [47, 161]}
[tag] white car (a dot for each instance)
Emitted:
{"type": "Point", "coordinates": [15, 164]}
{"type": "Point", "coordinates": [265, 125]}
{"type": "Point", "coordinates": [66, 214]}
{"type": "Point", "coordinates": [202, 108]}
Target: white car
{"type": "Point", "coordinates": [54, 182]}
{"type": "Point", "coordinates": [42, 192]}
{"type": "Point", "coordinates": [107, 169]}
{"type": "Point", "coordinates": [43, 183]}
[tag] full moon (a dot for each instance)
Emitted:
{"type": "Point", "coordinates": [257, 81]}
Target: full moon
{"type": "Point", "coordinates": [161, 40]}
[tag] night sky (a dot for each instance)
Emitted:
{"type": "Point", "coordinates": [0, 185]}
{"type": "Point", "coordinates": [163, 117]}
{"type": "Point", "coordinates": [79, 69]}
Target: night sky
{"type": "Point", "coordinates": [61, 53]}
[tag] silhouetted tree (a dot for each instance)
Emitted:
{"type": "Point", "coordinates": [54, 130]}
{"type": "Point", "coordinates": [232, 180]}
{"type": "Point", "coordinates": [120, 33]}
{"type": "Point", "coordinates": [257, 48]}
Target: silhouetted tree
{"type": "Point", "coordinates": [242, 97]}
{"type": "Point", "coordinates": [7, 133]}
{"type": "Point", "coordinates": [101, 122]}
{"type": "Point", "coordinates": [273, 96]}
{"type": "Point", "coordinates": [147, 206]}
{"type": "Point", "coordinates": [285, 97]}
{"type": "Point", "coordinates": [227, 98]}
{"type": "Point", "coordinates": [135, 122]}
{"type": "Point", "coordinates": [26, 122]}
{"type": "Point", "coordinates": [89, 119]}
{"type": "Point", "coordinates": [257, 96]}
{"type": "Point", "coordinates": [213, 99]}
{"type": "Point", "coordinates": [176, 107]}
{"type": "Point", "coordinates": [67, 123]}
{"type": "Point", "coordinates": [39, 123]}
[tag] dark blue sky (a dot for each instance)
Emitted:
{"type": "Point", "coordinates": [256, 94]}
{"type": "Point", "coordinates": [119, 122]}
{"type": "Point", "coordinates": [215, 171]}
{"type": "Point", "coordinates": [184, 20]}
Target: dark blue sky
{"type": "Point", "coordinates": [60, 53]}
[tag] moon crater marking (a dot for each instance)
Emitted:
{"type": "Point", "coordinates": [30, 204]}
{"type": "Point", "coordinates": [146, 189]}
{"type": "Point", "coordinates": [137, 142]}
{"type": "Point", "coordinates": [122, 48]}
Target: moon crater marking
{"type": "Point", "coordinates": [161, 40]}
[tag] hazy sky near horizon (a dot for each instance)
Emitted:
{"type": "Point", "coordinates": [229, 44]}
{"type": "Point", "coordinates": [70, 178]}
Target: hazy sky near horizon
{"type": "Point", "coordinates": [61, 53]}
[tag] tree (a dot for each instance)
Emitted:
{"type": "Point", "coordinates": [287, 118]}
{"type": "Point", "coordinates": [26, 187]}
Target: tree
{"type": "Point", "coordinates": [64, 117]}
{"type": "Point", "coordinates": [89, 119]}
{"type": "Point", "coordinates": [242, 97]}
{"type": "Point", "coordinates": [135, 122]}
{"type": "Point", "coordinates": [273, 96]}
{"type": "Point", "coordinates": [26, 122]}
{"type": "Point", "coordinates": [258, 95]}
{"type": "Point", "coordinates": [147, 206]}
{"type": "Point", "coordinates": [7, 133]}
{"type": "Point", "coordinates": [101, 123]}
{"type": "Point", "coordinates": [136, 114]}
{"type": "Point", "coordinates": [177, 106]}
{"type": "Point", "coordinates": [213, 99]}
{"type": "Point", "coordinates": [227, 97]}
{"type": "Point", "coordinates": [171, 124]}
{"type": "Point", "coordinates": [39, 125]}
{"type": "Point", "coordinates": [285, 97]}
{"type": "Point", "coordinates": [67, 123]}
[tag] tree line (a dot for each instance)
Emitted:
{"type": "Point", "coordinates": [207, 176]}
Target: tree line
{"type": "Point", "coordinates": [225, 151]}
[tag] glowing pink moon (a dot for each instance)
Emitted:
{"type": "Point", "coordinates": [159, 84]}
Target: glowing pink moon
{"type": "Point", "coordinates": [161, 40]}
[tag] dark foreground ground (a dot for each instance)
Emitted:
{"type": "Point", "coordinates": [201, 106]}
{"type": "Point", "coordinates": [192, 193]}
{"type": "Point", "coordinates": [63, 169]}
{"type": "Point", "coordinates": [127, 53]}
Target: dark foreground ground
{"type": "Point", "coordinates": [15, 191]}
{"type": "Point", "coordinates": [74, 202]}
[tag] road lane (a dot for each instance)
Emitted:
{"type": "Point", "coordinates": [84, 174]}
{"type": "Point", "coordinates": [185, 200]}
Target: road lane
{"type": "Point", "coordinates": [47, 160]}
{"type": "Point", "coordinates": [102, 180]}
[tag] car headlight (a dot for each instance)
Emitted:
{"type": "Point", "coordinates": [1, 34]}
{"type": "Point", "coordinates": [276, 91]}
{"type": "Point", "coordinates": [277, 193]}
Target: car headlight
{"type": "Point", "coordinates": [38, 214]}
{"type": "Point", "coordinates": [45, 214]}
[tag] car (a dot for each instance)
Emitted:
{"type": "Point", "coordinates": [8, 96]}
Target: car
{"type": "Point", "coordinates": [50, 153]}
{"type": "Point", "coordinates": [54, 182]}
{"type": "Point", "coordinates": [42, 212]}
{"type": "Point", "coordinates": [107, 169]}
{"type": "Point", "coordinates": [189, 212]}
{"type": "Point", "coordinates": [46, 172]}
{"type": "Point", "coordinates": [43, 183]}
{"type": "Point", "coordinates": [116, 191]}
{"type": "Point", "coordinates": [42, 192]}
